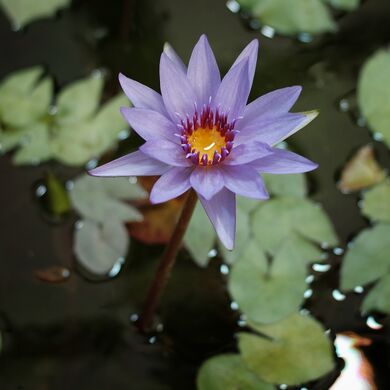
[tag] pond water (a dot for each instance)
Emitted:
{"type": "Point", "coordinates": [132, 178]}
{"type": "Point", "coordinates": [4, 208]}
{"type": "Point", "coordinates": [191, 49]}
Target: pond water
{"type": "Point", "coordinates": [79, 334]}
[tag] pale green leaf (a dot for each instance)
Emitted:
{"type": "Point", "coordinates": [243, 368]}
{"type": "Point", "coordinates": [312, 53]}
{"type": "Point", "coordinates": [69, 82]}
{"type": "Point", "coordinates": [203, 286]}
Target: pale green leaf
{"type": "Point", "coordinates": [35, 147]}
{"type": "Point", "coordinates": [11, 138]}
{"type": "Point", "coordinates": [367, 258]}
{"type": "Point", "coordinates": [376, 202]}
{"type": "Point", "coordinates": [20, 106]}
{"type": "Point", "coordinates": [296, 350]}
{"type": "Point", "coordinates": [286, 185]}
{"type": "Point", "coordinates": [22, 12]}
{"type": "Point", "coordinates": [58, 198]}
{"type": "Point", "coordinates": [93, 199]}
{"type": "Point", "coordinates": [280, 218]}
{"type": "Point", "coordinates": [379, 297]}
{"type": "Point", "coordinates": [303, 16]}
{"type": "Point", "coordinates": [228, 372]}
{"type": "Point", "coordinates": [99, 247]}
{"type": "Point", "coordinates": [267, 292]}
{"type": "Point", "coordinates": [200, 236]}
{"type": "Point", "coordinates": [374, 93]}
{"type": "Point", "coordinates": [347, 5]}
{"type": "Point", "coordinates": [79, 101]}
{"type": "Point", "coordinates": [248, 205]}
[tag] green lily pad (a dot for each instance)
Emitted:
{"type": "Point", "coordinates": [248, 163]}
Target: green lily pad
{"type": "Point", "coordinates": [376, 203]}
{"type": "Point", "coordinates": [228, 372]}
{"type": "Point", "coordinates": [368, 257]}
{"type": "Point", "coordinates": [295, 351]}
{"type": "Point", "coordinates": [200, 236]}
{"type": "Point", "coordinates": [99, 247]}
{"type": "Point", "coordinates": [303, 16]}
{"type": "Point", "coordinates": [379, 297]}
{"type": "Point", "coordinates": [96, 199]}
{"type": "Point", "coordinates": [268, 292]}
{"type": "Point", "coordinates": [24, 99]}
{"type": "Point", "coordinates": [79, 101]}
{"type": "Point", "coordinates": [76, 145]}
{"type": "Point", "coordinates": [22, 12]}
{"type": "Point", "coordinates": [373, 93]}
{"type": "Point", "coordinates": [286, 185]}
{"type": "Point", "coordinates": [280, 218]}
{"type": "Point", "coordinates": [346, 5]}
{"type": "Point", "coordinates": [35, 147]}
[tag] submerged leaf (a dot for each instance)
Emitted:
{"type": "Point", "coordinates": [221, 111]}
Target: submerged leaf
{"type": "Point", "coordinates": [96, 199]}
{"type": "Point", "coordinates": [99, 247]}
{"type": "Point", "coordinates": [374, 93]}
{"type": "Point", "coordinates": [267, 292]}
{"type": "Point", "coordinates": [53, 274]}
{"type": "Point", "coordinates": [379, 297]}
{"type": "Point", "coordinates": [59, 201]}
{"type": "Point", "coordinates": [295, 351]}
{"type": "Point", "coordinates": [361, 171]}
{"type": "Point", "coordinates": [228, 372]}
{"type": "Point", "coordinates": [22, 12]}
{"type": "Point", "coordinates": [281, 218]}
{"type": "Point", "coordinates": [368, 257]}
{"type": "Point", "coordinates": [376, 204]}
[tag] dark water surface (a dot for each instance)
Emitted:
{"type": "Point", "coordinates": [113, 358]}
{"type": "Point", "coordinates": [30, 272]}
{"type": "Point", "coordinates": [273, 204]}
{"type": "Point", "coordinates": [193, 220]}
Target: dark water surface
{"type": "Point", "coordinates": [78, 334]}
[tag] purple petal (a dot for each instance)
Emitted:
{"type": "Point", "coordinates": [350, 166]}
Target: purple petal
{"type": "Point", "coordinates": [244, 180]}
{"type": "Point", "coordinates": [207, 181]}
{"type": "Point", "coordinates": [245, 153]}
{"type": "Point", "coordinates": [233, 92]}
{"type": "Point", "coordinates": [149, 124]}
{"type": "Point", "coordinates": [283, 161]}
{"type": "Point", "coordinates": [171, 185]}
{"type": "Point", "coordinates": [142, 96]}
{"type": "Point", "coordinates": [133, 164]}
{"type": "Point", "coordinates": [250, 52]}
{"type": "Point", "coordinates": [270, 105]}
{"type": "Point", "coordinates": [166, 151]}
{"type": "Point", "coordinates": [178, 95]}
{"type": "Point", "coordinates": [203, 72]}
{"type": "Point", "coordinates": [273, 130]}
{"type": "Point", "coordinates": [172, 55]}
{"type": "Point", "coordinates": [221, 209]}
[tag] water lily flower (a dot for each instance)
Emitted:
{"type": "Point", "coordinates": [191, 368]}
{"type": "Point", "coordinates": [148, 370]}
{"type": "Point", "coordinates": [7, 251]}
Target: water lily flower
{"type": "Point", "coordinates": [201, 133]}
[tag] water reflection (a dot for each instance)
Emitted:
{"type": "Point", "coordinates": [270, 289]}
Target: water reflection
{"type": "Point", "coordinates": [357, 373]}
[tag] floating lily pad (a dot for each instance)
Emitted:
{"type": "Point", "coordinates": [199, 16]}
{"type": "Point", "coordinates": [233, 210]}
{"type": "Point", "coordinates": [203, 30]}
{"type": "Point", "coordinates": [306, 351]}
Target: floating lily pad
{"type": "Point", "coordinates": [23, 98]}
{"type": "Point", "coordinates": [376, 205]}
{"type": "Point", "coordinates": [22, 12]}
{"type": "Point", "coordinates": [295, 351]}
{"type": "Point", "coordinates": [99, 247]}
{"type": "Point", "coordinates": [290, 19]}
{"type": "Point", "coordinates": [367, 258]}
{"type": "Point", "coordinates": [379, 297]}
{"type": "Point", "coordinates": [97, 199]}
{"type": "Point", "coordinates": [347, 5]}
{"type": "Point", "coordinates": [280, 218]}
{"type": "Point", "coordinates": [79, 101]}
{"type": "Point", "coordinates": [286, 185]}
{"type": "Point", "coordinates": [373, 93]}
{"type": "Point", "coordinates": [35, 146]}
{"type": "Point", "coordinates": [361, 171]}
{"type": "Point", "coordinates": [266, 291]}
{"type": "Point", "coordinates": [200, 236]}
{"type": "Point", "coordinates": [228, 372]}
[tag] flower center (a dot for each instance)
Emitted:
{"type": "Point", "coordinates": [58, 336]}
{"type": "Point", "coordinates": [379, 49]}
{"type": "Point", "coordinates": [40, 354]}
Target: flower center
{"type": "Point", "coordinates": [207, 139]}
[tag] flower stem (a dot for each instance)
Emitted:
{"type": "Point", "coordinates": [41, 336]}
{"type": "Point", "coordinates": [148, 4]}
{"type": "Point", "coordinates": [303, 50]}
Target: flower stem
{"type": "Point", "coordinates": [168, 260]}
